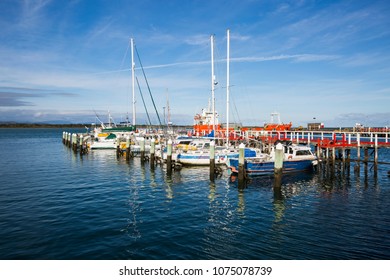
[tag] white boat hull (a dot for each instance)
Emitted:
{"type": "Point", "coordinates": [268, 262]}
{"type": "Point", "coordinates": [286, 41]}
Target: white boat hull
{"type": "Point", "coordinates": [103, 145]}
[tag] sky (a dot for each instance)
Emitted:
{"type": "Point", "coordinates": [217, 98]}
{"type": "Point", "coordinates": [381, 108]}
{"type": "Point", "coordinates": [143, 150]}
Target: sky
{"type": "Point", "coordinates": [310, 61]}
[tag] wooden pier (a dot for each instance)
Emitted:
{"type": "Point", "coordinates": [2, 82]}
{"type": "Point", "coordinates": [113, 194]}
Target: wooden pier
{"type": "Point", "coordinates": [329, 145]}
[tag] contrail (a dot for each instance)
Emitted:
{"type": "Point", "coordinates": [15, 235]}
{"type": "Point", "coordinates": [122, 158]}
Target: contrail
{"type": "Point", "coordinates": [298, 57]}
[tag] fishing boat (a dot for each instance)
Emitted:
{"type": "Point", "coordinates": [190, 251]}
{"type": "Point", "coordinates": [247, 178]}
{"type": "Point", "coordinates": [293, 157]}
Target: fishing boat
{"type": "Point", "coordinates": [104, 140]}
{"type": "Point", "coordinates": [200, 154]}
{"type": "Point", "coordinates": [196, 153]}
{"type": "Point", "coordinates": [109, 135]}
{"type": "Point", "coordinates": [296, 158]}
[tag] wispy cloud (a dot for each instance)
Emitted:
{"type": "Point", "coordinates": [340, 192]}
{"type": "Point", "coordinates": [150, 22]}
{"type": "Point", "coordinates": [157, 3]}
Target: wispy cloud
{"type": "Point", "coordinates": [198, 40]}
{"type": "Point", "coordinates": [295, 57]}
{"type": "Point", "coordinates": [365, 59]}
{"type": "Point", "coordinates": [13, 100]}
{"type": "Point", "coordinates": [32, 13]}
{"type": "Point", "coordinates": [101, 30]}
{"type": "Point", "coordinates": [333, 27]}
{"type": "Point", "coordinates": [15, 96]}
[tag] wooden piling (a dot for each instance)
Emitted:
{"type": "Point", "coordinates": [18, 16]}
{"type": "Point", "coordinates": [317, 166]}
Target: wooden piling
{"type": "Point", "coordinates": [278, 164]}
{"type": "Point", "coordinates": [241, 164]}
{"type": "Point", "coordinates": [81, 139]}
{"type": "Point", "coordinates": [68, 139]}
{"type": "Point", "coordinates": [212, 161]}
{"type": "Point", "coordinates": [376, 150]}
{"type": "Point", "coordinates": [74, 142]}
{"type": "Point", "coordinates": [142, 149]}
{"type": "Point", "coordinates": [152, 152]}
{"type": "Point", "coordinates": [118, 149]}
{"type": "Point", "coordinates": [358, 146]}
{"type": "Point", "coordinates": [365, 155]}
{"type": "Point", "coordinates": [169, 158]}
{"type": "Point", "coordinates": [277, 183]}
{"type": "Point", "coordinates": [319, 151]}
{"type": "Point", "coordinates": [348, 155]}
{"type": "Point", "coordinates": [333, 154]}
{"type": "Point", "coordinates": [128, 148]}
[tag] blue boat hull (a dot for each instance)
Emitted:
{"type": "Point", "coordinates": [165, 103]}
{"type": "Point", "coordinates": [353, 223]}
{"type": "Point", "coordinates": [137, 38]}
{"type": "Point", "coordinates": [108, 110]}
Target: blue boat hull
{"type": "Point", "coordinates": [267, 168]}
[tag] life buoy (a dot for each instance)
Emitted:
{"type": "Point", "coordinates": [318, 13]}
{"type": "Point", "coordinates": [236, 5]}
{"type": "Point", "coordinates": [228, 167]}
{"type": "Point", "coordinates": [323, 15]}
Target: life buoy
{"type": "Point", "coordinates": [290, 157]}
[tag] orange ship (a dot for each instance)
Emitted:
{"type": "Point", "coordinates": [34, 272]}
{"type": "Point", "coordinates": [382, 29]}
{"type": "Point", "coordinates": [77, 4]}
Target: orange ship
{"type": "Point", "coordinates": [277, 127]}
{"type": "Point", "coordinates": [274, 125]}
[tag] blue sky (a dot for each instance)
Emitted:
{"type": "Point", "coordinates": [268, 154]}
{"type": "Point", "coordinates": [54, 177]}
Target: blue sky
{"type": "Point", "coordinates": [65, 60]}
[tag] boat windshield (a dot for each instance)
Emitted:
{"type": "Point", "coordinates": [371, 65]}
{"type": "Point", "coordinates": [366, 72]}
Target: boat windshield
{"type": "Point", "coordinates": [303, 153]}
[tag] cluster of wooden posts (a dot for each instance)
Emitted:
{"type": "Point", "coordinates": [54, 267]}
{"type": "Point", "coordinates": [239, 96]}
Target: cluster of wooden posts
{"type": "Point", "coordinates": [152, 157]}
{"type": "Point", "coordinates": [77, 142]}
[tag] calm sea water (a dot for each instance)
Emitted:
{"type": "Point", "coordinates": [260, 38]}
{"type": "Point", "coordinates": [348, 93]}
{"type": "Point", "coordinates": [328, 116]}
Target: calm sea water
{"type": "Point", "coordinates": [56, 205]}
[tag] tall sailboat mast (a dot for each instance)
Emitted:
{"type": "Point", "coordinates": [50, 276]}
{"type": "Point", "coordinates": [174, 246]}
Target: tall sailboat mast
{"type": "Point", "coordinates": [227, 86]}
{"type": "Point", "coordinates": [212, 81]}
{"type": "Point", "coordinates": [133, 77]}
{"type": "Point", "coordinates": [168, 112]}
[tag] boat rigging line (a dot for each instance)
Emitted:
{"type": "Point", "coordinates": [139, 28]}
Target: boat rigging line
{"type": "Point", "coordinates": [143, 101]}
{"type": "Point", "coordinates": [146, 80]}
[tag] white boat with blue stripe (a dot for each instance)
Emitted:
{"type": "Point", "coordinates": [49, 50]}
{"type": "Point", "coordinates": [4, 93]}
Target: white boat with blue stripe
{"type": "Point", "coordinates": [296, 159]}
